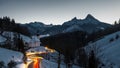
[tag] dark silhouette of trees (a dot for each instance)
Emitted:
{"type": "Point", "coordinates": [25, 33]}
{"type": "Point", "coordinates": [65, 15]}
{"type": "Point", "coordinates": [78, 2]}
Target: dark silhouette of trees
{"type": "Point", "coordinates": [111, 40]}
{"type": "Point", "coordinates": [13, 21]}
{"type": "Point", "coordinates": [93, 60]}
{"type": "Point", "coordinates": [117, 36]}
{"type": "Point", "coordinates": [22, 48]}
{"type": "Point", "coordinates": [22, 29]}
{"type": "Point", "coordinates": [68, 59]}
{"type": "Point", "coordinates": [66, 44]}
{"type": "Point", "coordinates": [2, 64]}
{"type": "Point", "coordinates": [21, 45]}
{"type": "Point", "coordinates": [59, 60]}
{"type": "Point", "coordinates": [119, 21]}
{"type": "Point", "coordinates": [7, 24]}
{"type": "Point", "coordinates": [115, 23]}
{"type": "Point", "coordinates": [12, 64]}
{"type": "Point", "coordinates": [82, 58]}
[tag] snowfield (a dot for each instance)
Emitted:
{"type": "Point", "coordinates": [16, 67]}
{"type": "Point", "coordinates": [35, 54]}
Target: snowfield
{"type": "Point", "coordinates": [7, 55]}
{"type": "Point", "coordinates": [107, 49]}
{"type": "Point", "coordinates": [48, 64]}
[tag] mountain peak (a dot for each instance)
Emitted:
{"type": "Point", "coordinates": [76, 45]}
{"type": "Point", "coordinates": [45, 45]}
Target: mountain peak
{"type": "Point", "coordinates": [89, 17]}
{"type": "Point", "coordinates": [74, 19]}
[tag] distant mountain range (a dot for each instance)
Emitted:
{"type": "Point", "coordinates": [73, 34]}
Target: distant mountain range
{"type": "Point", "coordinates": [89, 24]}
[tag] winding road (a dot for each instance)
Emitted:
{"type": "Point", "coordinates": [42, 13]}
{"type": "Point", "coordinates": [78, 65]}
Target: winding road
{"type": "Point", "coordinates": [35, 63]}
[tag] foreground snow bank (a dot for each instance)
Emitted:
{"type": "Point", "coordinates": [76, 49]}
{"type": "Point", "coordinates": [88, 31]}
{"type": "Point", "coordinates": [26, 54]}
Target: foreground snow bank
{"type": "Point", "coordinates": [7, 55]}
{"type": "Point", "coordinates": [107, 49]}
{"type": "Point", "coordinates": [49, 64]}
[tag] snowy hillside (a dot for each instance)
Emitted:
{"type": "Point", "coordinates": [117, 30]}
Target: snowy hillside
{"type": "Point", "coordinates": [7, 55]}
{"type": "Point", "coordinates": [48, 64]}
{"type": "Point", "coordinates": [73, 28]}
{"type": "Point", "coordinates": [107, 49]}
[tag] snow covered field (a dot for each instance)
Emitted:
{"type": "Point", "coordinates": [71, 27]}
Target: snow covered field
{"type": "Point", "coordinates": [48, 64]}
{"type": "Point", "coordinates": [107, 49]}
{"type": "Point", "coordinates": [7, 55]}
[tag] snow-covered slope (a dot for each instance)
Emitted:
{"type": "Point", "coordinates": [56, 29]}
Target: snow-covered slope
{"type": "Point", "coordinates": [73, 28]}
{"type": "Point", "coordinates": [7, 55]}
{"type": "Point", "coordinates": [48, 64]}
{"type": "Point", "coordinates": [107, 49]}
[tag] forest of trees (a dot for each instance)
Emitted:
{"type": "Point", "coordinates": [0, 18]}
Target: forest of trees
{"type": "Point", "coordinates": [7, 24]}
{"type": "Point", "coordinates": [66, 44]}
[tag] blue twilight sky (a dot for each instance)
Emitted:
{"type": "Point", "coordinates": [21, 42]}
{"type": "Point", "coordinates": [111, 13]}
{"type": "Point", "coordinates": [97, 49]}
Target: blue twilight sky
{"type": "Point", "coordinates": [59, 11]}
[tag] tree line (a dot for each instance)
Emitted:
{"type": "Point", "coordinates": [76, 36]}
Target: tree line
{"type": "Point", "coordinates": [7, 24]}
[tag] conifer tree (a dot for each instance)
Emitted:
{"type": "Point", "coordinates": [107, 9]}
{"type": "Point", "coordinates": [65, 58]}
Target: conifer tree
{"type": "Point", "coordinates": [119, 21]}
{"type": "Point", "coordinates": [93, 60]}
{"type": "Point", "coordinates": [115, 23]}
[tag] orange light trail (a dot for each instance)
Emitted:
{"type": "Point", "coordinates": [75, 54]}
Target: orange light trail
{"type": "Point", "coordinates": [50, 50]}
{"type": "Point", "coordinates": [37, 59]}
{"type": "Point", "coordinates": [36, 63]}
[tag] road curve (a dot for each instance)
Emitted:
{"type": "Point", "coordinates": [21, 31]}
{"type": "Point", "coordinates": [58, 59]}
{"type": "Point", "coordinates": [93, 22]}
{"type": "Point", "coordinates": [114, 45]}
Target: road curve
{"type": "Point", "coordinates": [35, 63]}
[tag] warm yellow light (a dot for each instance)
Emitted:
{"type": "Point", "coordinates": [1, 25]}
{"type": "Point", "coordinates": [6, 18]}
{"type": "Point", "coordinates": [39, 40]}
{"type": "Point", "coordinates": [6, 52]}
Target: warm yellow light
{"type": "Point", "coordinates": [49, 50]}
{"type": "Point", "coordinates": [26, 65]}
{"type": "Point", "coordinates": [46, 48]}
{"type": "Point", "coordinates": [52, 50]}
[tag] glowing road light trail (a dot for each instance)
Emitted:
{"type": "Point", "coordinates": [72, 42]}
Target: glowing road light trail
{"type": "Point", "coordinates": [35, 59]}
{"type": "Point", "coordinates": [36, 63]}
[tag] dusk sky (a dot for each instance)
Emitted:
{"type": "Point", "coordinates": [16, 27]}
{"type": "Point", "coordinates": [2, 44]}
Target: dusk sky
{"type": "Point", "coordinates": [59, 11]}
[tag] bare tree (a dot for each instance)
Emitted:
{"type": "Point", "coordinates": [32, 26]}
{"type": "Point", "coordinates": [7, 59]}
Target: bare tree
{"type": "Point", "coordinates": [94, 56]}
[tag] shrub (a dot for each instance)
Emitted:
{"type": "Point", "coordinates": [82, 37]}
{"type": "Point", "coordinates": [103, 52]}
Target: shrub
{"type": "Point", "coordinates": [111, 40]}
{"type": "Point", "coordinates": [93, 62]}
{"type": "Point", "coordinates": [117, 36]}
{"type": "Point", "coordinates": [2, 64]}
{"type": "Point", "coordinates": [12, 64]}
